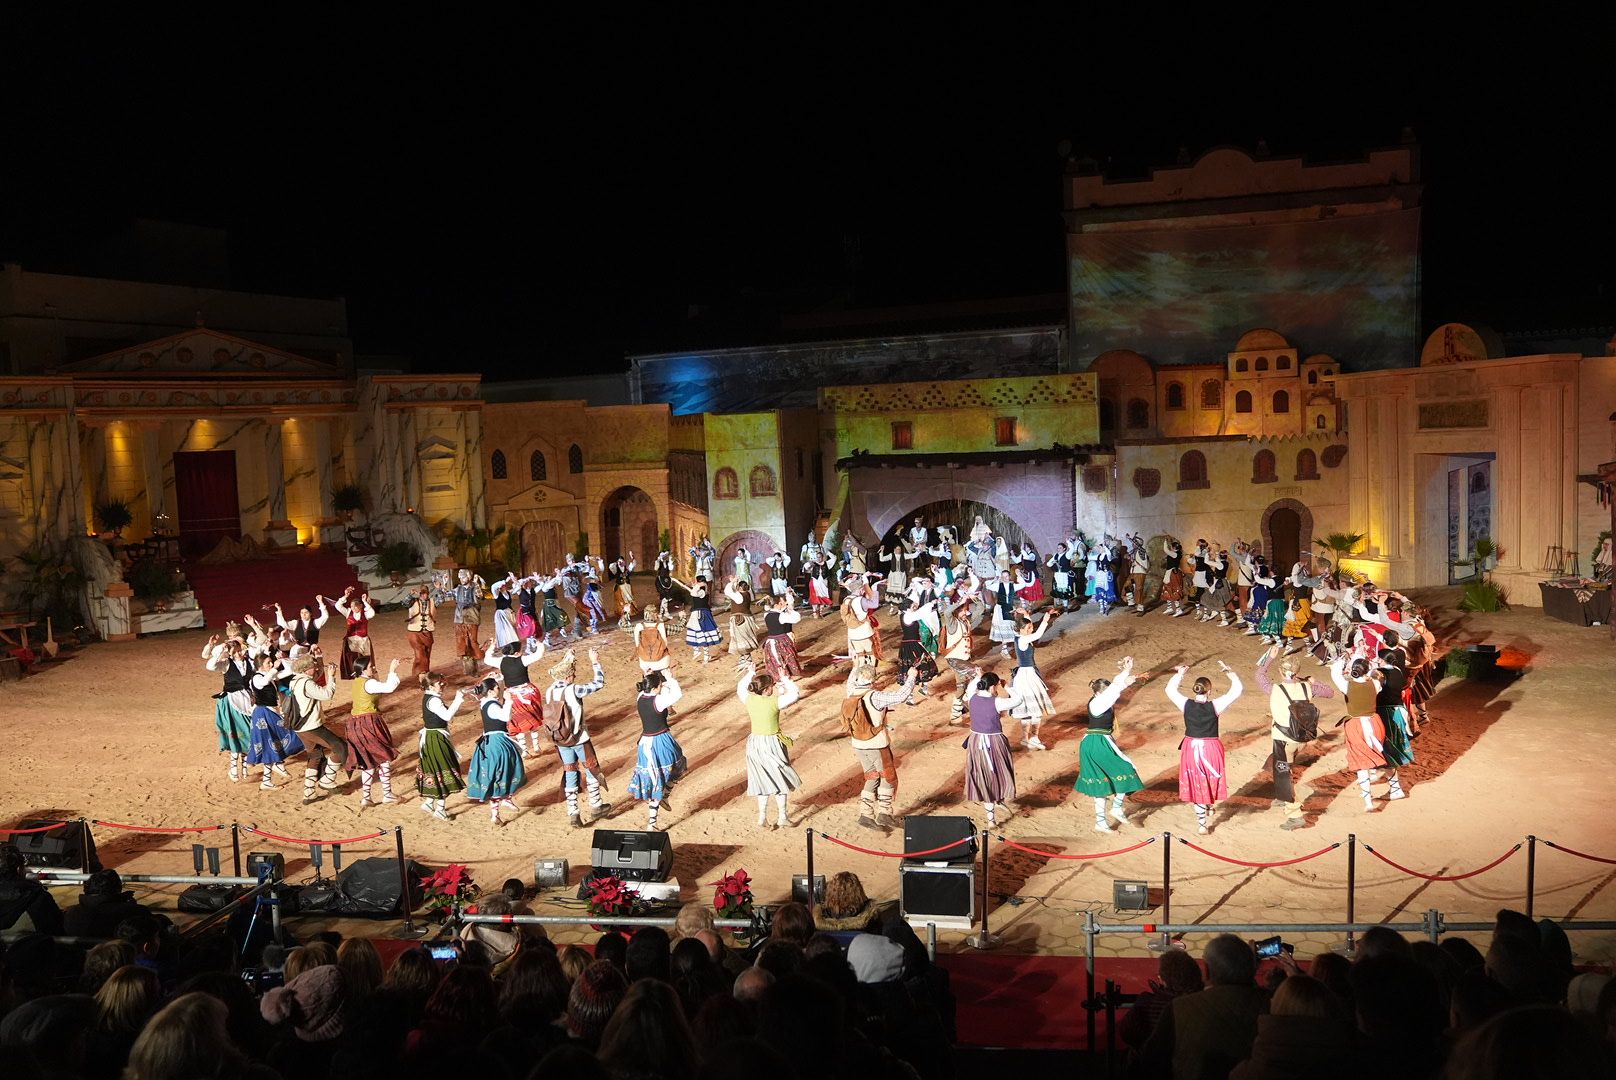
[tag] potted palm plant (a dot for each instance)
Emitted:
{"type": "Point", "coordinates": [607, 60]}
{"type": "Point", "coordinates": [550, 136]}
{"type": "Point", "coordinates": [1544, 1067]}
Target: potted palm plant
{"type": "Point", "coordinates": [1339, 545]}
{"type": "Point", "coordinates": [114, 516]}
{"type": "Point", "coordinates": [348, 500]}
{"type": "Point", "coordinates": [396, 560]}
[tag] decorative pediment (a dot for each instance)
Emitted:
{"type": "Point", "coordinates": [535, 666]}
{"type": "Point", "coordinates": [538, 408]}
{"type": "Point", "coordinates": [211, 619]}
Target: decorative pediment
{"type": "Point", "coordinates": [540, 496]}
{"type": "Point", "coordinates": [200, 351]}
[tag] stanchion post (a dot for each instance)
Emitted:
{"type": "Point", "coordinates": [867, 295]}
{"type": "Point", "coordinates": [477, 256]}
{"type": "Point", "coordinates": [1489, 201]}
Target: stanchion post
{"type": "Point", "coordinates": [1531, 874]}
{"type": "Point", "coordinates": [985, 939]}
{"type": "Point", "coordinates": [84, 845]}
{"type": "Point", "coordinates": [1352, 889]}
{"type": "Point", "coordinates": [810, 832]}
{"type": "Point", "coordinates": [403, 879]}
{"type": "Point", "coordinates": [931, 942]}
{"type": "Point", "coordinates": [1089, 936]}
{"type": "Point", "coordinates": [1166, 941]}
{"type": "Point", "coordinates": [235, 846]}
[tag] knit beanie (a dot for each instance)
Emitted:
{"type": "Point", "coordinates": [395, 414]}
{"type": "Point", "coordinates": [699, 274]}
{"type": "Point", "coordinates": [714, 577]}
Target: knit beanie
{"type": "Point", "coordinates": [315, 1004]}
{"type": "Point", "coordinates": [874, 959]}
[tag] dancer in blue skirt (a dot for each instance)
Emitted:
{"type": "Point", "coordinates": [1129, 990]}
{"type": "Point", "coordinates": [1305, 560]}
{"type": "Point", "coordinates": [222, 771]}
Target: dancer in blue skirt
{"type": "Point", "coordinates": [701, 631]}
{"type": "Point", "coordinates": [496, 770]}
{"type": "Point", "coordinates": [659, 761]}
{"type": "Point", "coordinates": [272, 741]}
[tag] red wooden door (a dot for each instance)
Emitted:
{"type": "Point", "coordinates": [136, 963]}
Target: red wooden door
{"type": "Point", "coordinates": [205, 490]}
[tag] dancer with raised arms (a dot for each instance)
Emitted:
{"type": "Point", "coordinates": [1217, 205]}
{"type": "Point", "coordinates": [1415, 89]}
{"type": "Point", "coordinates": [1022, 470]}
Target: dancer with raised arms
{"type": "Point", "coordinates": [564, 723]}
{"type": "Point", "coordinates": [521, 696]}
{"type": "Point", "coordinates": [496, 771]}
{"type": "Point", "coordinates": [864, 719]}
{"type": "Point", "coordinates": [1027, 683]}
{"type": "Point", "coordinates": [1202, 774]}
{"type": "Point", "coordinates": [369, 741]}
{"type": "Point", "coordinates": [768, 751]}
{"type": "Point", "coordinates": [659, 761]}
{"type": "Point", "coordinates": [1295, 723]}
{"type": "Point", "coordinates": [437, 771]}
{"type": "Point", "coordinates": [1103, 770]}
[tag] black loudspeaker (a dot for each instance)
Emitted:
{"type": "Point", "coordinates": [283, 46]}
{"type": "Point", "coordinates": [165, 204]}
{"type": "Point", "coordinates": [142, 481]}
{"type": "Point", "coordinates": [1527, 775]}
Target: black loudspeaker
{"type": "Point", "coordinates": [370, 887]}
{"type": "Point", "coordinates": [550, 873]}
{"type": "Point", "coordinates": [926, 833]}
{"type": "Point", "coordinates": [61, 847]}
{"type": "Point", "coordinates": [274, 860]}
{"type": "Point", "coordinates": [205, 899]}
{"type": "Point", "coordinates": [1130, 895]}
{"type": "Point", "coordinates": [942, 893]}
{"type": "Point", "coordinates": [799, 888]}
{"type": "Point", "coordinates": [632, 856]}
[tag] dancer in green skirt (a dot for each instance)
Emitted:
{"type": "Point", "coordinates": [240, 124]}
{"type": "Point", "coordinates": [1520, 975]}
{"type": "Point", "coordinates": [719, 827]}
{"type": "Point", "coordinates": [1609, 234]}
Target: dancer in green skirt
{"type": "Point", "coordinates": [437, 771]}
{"type": "Point", "coordinates": [1103, 769]}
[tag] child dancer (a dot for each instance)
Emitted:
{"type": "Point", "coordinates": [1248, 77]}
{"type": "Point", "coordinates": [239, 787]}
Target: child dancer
{"type": "Point", "coordinates": [1027, 683]}
{"type": "Point", "coordinates": [1201, 771]}
{"type": "Point", "coordinates": [768, 752]}
{"type": "Point", "coordinates": [521, 696]}
{"type": "Point", "coordinates": [564, 722]}
{"type": "Point", "coordinates": [272, 741]}
{"type": "Point", "coordinates": [658, 759]}
{"type": "Point", "coordinates": [1102, 768]}
{"type": "Point", "coordinates": [496, 771]}
{"type": "Point", "coordinates": [437, 774]}
{"type": "Point", "coordinates": [370, 743]}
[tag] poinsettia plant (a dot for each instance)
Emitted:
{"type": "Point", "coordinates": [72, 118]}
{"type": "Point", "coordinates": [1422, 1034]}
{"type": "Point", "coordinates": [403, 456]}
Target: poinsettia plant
{"type": "Point", "coordinates": [611, 895]}
{"type": "Point", "coordinates": [445, 889]}
{"type": "Point", "coordinates": [732, 896]}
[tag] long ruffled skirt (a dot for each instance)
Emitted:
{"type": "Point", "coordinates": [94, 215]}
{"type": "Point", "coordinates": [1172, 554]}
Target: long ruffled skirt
{"type": "Point", "coordinates": [658, 763]}
{"type": "Point", "coordinates": [1202, 776]}
{"type": "Point", "coordinates": [235, 727]}
{"type": "Point", "coordinates": [990, 775]}
{"type": "Point", "coordinates": [1103, 769]}
{"type": "Point", "coordinates": [496, 770]}
{"type": "Point", "coordinates": [370, 743]}
{"type": "Point", "coordinates": [437, 773]}
{"type": "Point", "coordinates": [768, 766]}
{"type": "Point", "coordinates": [1035, 702]}
{"type": "Point", "coordinates": [272, 741]}
{"type": "Point", "coordinates": [504, 628]}
{"type": "Point", "coordinates": [701, 630]}
{"type": "Point", "coordinates": [780, 657]}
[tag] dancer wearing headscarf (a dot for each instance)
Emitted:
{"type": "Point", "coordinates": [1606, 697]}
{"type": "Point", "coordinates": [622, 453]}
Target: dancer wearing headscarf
{"type": "Point", "coordinates": [437, 772]}
{"type": "Point", "coordinates": [369, 741]}
{"type": "Point", "coordinates": [521, 696]}
{"type": "Point", "coordinates": [355, 607]}
{"type": "Point", "coordinates": [768, 750]}
{"type": "Point", "coordinates": [990, 775]}
{"type": "Point", "coordinates": [1027, 683]}
{"type": "Point", "coordinates": [272, 741]}
{"type": "Point", "coordinates": [1202, 775]}
{"type": "Point", "coordinates": [1102, 768]}
{"type": "Point", "coordinates": [496, 771]}
{"type": "Point", "coordinates": [564, 723]}
{"type": "Point", "coordinates": [658, 760]}
{"type": "Point", "coordinates": [233, 705]}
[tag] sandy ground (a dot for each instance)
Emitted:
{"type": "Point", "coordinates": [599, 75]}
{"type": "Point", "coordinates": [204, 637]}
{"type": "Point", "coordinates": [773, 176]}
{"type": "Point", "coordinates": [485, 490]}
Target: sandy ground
{"type": "Point", "coordinates": [125, 733]}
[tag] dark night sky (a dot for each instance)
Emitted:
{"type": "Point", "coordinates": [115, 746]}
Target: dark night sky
{"type": "Point", "coordinates": [528, 199]}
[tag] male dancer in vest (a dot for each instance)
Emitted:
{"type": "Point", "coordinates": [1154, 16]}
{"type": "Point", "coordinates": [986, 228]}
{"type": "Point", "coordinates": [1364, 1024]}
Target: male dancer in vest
{"type": "Point", "coordinates": [1138, 567]}
{"type": "Point", "coordinates": [420, 620]}
{"type": "Point", "coordinates": [564, 723]}
{"type": "Point", "coordinates": [864, 718]}
{"type": "Point", "coordinates": [325, 751]}
{"type": "Point", "coordinates": [863, 598]}
{"type": "Point", "coordinates": [468, 615]}
{"type": "Point", "coordinates": [955, 649]}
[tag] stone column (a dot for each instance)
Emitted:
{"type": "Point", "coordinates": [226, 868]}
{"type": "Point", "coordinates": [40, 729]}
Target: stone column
{"type": "Point", "coordinates": [278, 528]}
{"type": "Point", "coordinates": [328, 528]}
{"type": "Point", "coordinates": [409, 459]}
{"type": "Point", "coordinates": [151, 462]}
{"type": "Point", "coordinates": [471, 466]}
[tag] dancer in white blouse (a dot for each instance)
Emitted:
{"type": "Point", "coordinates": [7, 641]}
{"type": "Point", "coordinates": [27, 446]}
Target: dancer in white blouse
{"type": "Point", "coordinates": [437, 774]}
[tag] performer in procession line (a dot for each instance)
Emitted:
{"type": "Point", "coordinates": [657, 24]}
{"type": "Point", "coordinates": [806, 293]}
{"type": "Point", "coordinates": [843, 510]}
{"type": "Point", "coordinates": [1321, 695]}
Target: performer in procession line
{"type": "Point", "coordinates": [1172, 590]}
{"type": "Point", "coordinates": [355, 608]}
{"type": "Point", "coordinates": [768, 751]}
{"type": "Point", "coordinates": [1003, 627]}
{"type": "Point", "coordinates": [864, 719]}
{"type": "Point", "coordinates": [564, 723]}
{"type": "Point", "coordinates": [1365, 732]}
{"type": "Point", "coordinates": [779, 576]}
{"type": "Point", "coordinates": [1060, 565]}
{"type": "Point", "coordinates": [528, 619]}
{"type": "Point", "coordinates": [272, 741]}
{"type": "Point", "coordinates": [367, 737]}
{"type": "Point", "coordinates": [743, 639]}
{"type": "Point", "coordinates": [521, 702]}
{"type": "Point", "coordinates": [495, 772]}
{"type": "Point", "coordinates": [1103, 559]}
{"type": "Point", "coordinates": [819, 598]}
{"type": "Point", "coordinates": [1295, 722]}
{"type": "Point", "coordinates": [701, 629]}
{"type": "Point", "coordinates": [504, 617]}
{"type": "Point", "coordinates": [1033, 591]}
{"type": "Point", "coordinates": [1027, 683]}
{"type": "Point", "coordinates": [779, 644]}
{"type": "Point", "coordinates": [990, 775]}
{"type": "Point", "coordinates": [233, 705]}
{"type": "Point", "coordinates": [956, 645]}
{"type": "Point", "coordinates": [1103, 770]}
{"type": "Point", "coordinates": [858, 616]}
{"type": "Point", "coordinates": [305, 701]}
{"type": "Point", "coordinates": [1138, 568]}
{"type": "Point", "coordinates": [437, 769]}
{"type": "Point", "coordinates": [1202, 779]}
{"type": "Point", "coordinates": [913, 656]}
{"type": "Point", "coordinates": [306, 628]}
{"type": "Point", "coordinates": [663, 575]}
{"type": "Point", "coordinates": [659, 761]}
{"type": "Point", "coordinates": [552, 619]}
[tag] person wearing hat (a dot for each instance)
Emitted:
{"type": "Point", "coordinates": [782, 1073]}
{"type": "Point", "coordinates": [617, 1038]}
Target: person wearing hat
{"type": "Point", "coordinates": [1283, 697]}
{"type": "Point", "coordinates": [310, 1014]}
{"type": "Point", "coordinates": [101, 908]}
{"type": "Point", "coordinates": [563, 711]}
{"type": "Point", "coordinates": [651, 642]}
{"type": "Point", "coordinates": [864, 719]}
{"type": "Point", "coordinates": [858, 616]}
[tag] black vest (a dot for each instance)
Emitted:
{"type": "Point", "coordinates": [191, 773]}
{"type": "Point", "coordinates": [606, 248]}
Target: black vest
{"type": "Point", "coordinates": [305, 633]}
{"type": "Point", "coordinates": [266, 696]}
{"type": "Point", "coordinates": [489, 723]}
{"type": "Point", "coordinates": [233, 678]}
{"type": "Point", "coordinates": [430, 719]}
{"type": "Point", "coordinates": [1102, 721]}
{"type": "Point", "coordinates": [772, 624]}
{"type": "Point", "coordinates": [652, 720]}
{"type": "Point", "coordinates": [502, 601]}
{"type": "Point", "coordinates": [513, 671]}
{"type": "Point", "coordinates": [910, 632]}
{"type": "Point", "coordinates": [1200, 719]}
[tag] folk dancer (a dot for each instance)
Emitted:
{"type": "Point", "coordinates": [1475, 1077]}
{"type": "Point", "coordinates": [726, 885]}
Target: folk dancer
{"type": "Point", "coordinates": [572, 595]}
{"type": "Point", "coordinates": [1295, 724]}
{"type": "Point", "coordinates": [1003, 627]}
{"type": "Point", "coordinates": [819, 599]}
{"type": "Point", "coordinates": [1138, 568]}
{"type": "Point", "coordinates": [521, 702]}
{"type": "Point", "coordinates": [703, 558]}
{"type": "Point", "coordinates": [1391, 705]}
{"type": "Point", "coordinates": [1027, 684]}
{"type": "Point", "coordinates": [919, 535]}
{"type": "Point", "coordinates": [420, 621]}
{"type": "Point", "coordinates": [272, 741]}
{"type": "Point", "coordinates": [743, 639]}
{"type": "Point", "coordinates": [367, 736]}
{"type": "Point", "coordinates": [1202, 774]}
{"type": "Point", "coordinates": [1103, 770]}
{"type": "Point", "coordinates": [956, 653]}
{"type": "Point", "coordinates": [779, 644]}
{"type": "Point", "coordinates": [527, 609]}
{"type": "Point", "coordinates": [658, 761]}
{"type": "Point", "coordinates": [356, 609]}
{"type": "Point", "coordinates": [662, 574]}
{"type": "Point", "coordinates": [326, 752]}
{"type": "Point", "coordinates": [592, 605]}
{"type": "Point", "coordinates": [701, 630]}
{"type": "Point", "coordinates": [504, 616]}
{"type": "Point", "coordinates": [1218, 599]}
{"type": "Point", "coordinates": [496, 772]}
{"type": "Point", "coordinates": [811, 549]}
{"type": "Point", "coordinates": [437, 770]}
{"type": "Point", "coordinates": [232, 705]}
{"type": "Point", "coordinates": [741, 563]}
{"type": "Point", "coordinates": [1060, 566]}
{"type": "Point", "coordinates": [1103, 560]}
{"type": "Point", "coordinates": [651, 643]}
{"type": "Point", "coordinates": [564, 723]}
{"type": "Point", "coordinates": [915, 660]}
{"type": "Point", "coordinates": [306, 627]}
{"type": "Point", "coordinates": [892, 556]}
{"type": "Point", "coordinates": [768, 751]}
{"type": "Point", "coordinates": [623, 589]}
{"type": "Point", "coordinates": [1365, 731]}
{"type": "Point", "coordinates": [864, 719]}
{"type": "Point", "coordinates": [1270, 624]}
{"type": "Point", "coordinates": [858, 616]}
{"type": "Point", "coordinates": [990, 775]}
{"type": "Point", "coordinates": [1172, 590]}
{"type": "Point", "coordinates": [980, 551]}
{"type": "Point", "coordinates": [779, 579]}
{"type": "Point", "coordinates": [1242, 573]}
{"type": "Point", "coordinates": [552, 619]}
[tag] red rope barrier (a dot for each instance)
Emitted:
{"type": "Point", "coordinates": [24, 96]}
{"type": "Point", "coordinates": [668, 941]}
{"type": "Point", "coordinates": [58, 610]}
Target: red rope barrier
{"type": "Point", "coordinates": [1442, 877]}
{"type": "Point", "coordinates": [42, 828]}
{"type": "Point", "coordinates": [1089, 855]}
{"type": "Point", "coordinates": [1259, 865]}
{"type": "Point", "coordinates": [896, 854]}
{"type": "Point", "coordinates": [157, 828]}
{"type": "Point", "coordinates": [297, 840]}
{"type": "Point", "coordinates": [1547, 843]}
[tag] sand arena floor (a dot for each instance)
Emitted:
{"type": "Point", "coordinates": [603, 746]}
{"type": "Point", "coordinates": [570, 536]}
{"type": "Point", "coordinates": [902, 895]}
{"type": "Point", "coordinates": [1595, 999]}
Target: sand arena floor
{"type": "Point", "coordinates": [124, 732]}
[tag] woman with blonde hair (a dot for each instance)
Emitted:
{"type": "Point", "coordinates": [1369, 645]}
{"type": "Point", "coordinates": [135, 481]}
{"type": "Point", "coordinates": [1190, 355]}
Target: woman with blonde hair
{"type": "Point", "coordinates": [768, 751]}
{"type": "Point", "coordinates": [123, 1005]}
{"type": "Point", "coordinates": [314, 954]}
{"type": "Point", "coordinates": [573, 960]}
{"type": "Point", "coordinates": [187, 1040]}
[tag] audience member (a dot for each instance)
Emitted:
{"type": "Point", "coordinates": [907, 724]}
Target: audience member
{"type": "Point", "coordinates": [1400, 1017]}
{"type": "Point", "coordinates": [1535, 1042]}
{"type": "Point", "coordinates": [1335, 972]}
{"type": "Point", "coordinates": [594, 997]}
{"type": "Point", "coordinates": [53, 1028]}
{"type": "Point", "coordinates": [101, 907]}
{"type": "Point", "coordinates": [1442, 966]}
{"type": "Point", "coordinates": [751, 984]}
{"type": "Point", "coordinates": [612, 947]}
{"type": "Point", "coordinates": [307, 957]}
{"type": "Point", "coordinates": [101, 961]}
{"type": "Point", "coordinates": [648, 1036]}
{"type": "Point", "coordinates": [779, 958]}
{"type": "Point", "coordinates": [1381, 941]}
{"type": "Point", "coordinates": [1177, 974]}
{"type": "Point", "coordinates": [1206, 1033]}
{"type": "Point", "coordinates": [361, 968]}
{"type": "Point", "coordinates": [692, 919]}
{"type": "Point", "coordinates": [123, 1005]}
{"type": "Point", "coordinates": [1464, 952]}
{"type": "Point", "coordinates": [1476, 999]}
{"type": "Point", "coordinates": [647, 956]}
{"type": "Point", "coordinates": [721, 1019]}
{"type": "Point", "coordinates": [187, 1040]}
{"type": "Point", "coordinates": [1516, 964]}
{"type": "Point", "coordinates": [309, 1014]}
{"type": "Point", "coordinates": [24, 904]}
{"type": "Point", "coordinates": [1303, 1034]}
{"type": "Point", "coordinates": [573, 960]}
{"type": "Point", "coordinates": [792, 923]}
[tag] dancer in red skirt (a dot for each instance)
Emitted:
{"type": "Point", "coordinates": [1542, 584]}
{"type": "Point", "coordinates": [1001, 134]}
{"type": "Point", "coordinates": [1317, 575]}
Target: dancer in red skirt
{"type": "Point", "coordinates": [1202, 778]}
{"type": "Point", "coordinates": [356, 647]}
{"type": "Point", "coordinates": [522, 697]}
{"type": "Point", "coordinates": [370, 743]}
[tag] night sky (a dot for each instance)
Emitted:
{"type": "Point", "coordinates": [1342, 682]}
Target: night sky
{"type": "Point", "coordinates": [536, 198]}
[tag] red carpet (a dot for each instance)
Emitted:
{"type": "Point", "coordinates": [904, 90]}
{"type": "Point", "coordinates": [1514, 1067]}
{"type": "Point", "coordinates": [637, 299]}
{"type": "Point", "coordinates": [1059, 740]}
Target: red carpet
{"type": "Point", "coordinates": [226, 591]}
{"type": "Point", "coordinates": [1033, 1002]}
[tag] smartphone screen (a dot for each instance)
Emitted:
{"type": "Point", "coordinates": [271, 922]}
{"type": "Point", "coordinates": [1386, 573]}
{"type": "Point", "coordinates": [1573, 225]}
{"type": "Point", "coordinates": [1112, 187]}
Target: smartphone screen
{"type": "Point", "coordinates": [444, 952]}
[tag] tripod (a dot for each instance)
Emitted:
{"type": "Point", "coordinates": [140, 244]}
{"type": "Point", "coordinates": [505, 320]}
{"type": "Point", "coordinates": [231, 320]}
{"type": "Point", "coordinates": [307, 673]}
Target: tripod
{"type": "Point", "coordinates": [266, 899]}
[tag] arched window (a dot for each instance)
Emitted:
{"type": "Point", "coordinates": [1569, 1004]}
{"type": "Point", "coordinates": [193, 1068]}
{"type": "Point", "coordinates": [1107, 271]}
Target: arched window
{"type": "Point", "coordinates": [1313, 377]}
{"type": "Point", "coordinates": [1262, 363]}
{"type": "Point", "coordinates": [726, 485]}
{"type": "Point", "coordinates": [1282, 401]}
{"type": "Point", "coordinates": [1108, 415]}
{"type": "Point", "coordinates": [1138, 413]}
{"type": "Point", "coordinates": [1175, 395]}
{"type": "Point", "coordinates": [762, 481]}
{"type": "Point", "coordinates": [575, 458]}
{"type": "Point", "coordinates": [1283, 363]}
{"type": "Point", "coordinates": [1262, 468]}
{"type": "Point", "coordinates": [1307, 465]}
{"type": "Point", "coordinates": [1319, 422]}
{"type": "Point", "coordinates": [496, 464]}
{"type": "Point", "coordinates": [1192, 470]}
{"type": "Point", "coordinates": [1212, 394]}
{"type": "Point", "coordinates": [1242, 401]}
{"type": "Point", "coordinates": [535, 466]}
{"type": "Point", "coordinates": [1240, 365]}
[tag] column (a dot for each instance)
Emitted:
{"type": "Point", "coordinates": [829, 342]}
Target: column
{"type": "Point", "coordinates": [151, 462]}
{"type": "Point", "coordinates": [328, 528]}
{"type": "Point", "coordinates": [278, 529]}
{"type": "Point", "coordinates": [409, 459]}
{"type": "Point", "coordinates": [94, 436]}
{"type": "Point", "coordinates": [471, 454]}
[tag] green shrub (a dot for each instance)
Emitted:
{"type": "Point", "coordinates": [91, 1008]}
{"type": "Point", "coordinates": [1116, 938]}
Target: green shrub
{"type": "Point", "coordinates": [152, 579]}
{"type": "Point", "coordinates": [114, 516]}
{"type": "Point", "coordinates": [399, 558]}
{"type": "Point", "coordinates": [1483, 596]}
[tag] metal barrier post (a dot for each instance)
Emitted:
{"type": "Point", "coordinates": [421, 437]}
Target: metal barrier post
{"type": "Point", "coordinates": [1433, 926]}
{"type": "Point", "coordinates": [403, 880]}
{"type": "Point", "coordinates": [984, 940]}
{"type": "Point", "coordinates": [1531, 874]}
{"type": "Point", "coordinates": [1352, 889]}
{"type": "Point", "coordinates": [1166, 941]}
{"type": "Point", "coordinates": [931, 942]}
{"type": "Point", "coordinates": [235, 847]}
{"type": "Point", "coordinates": [811, 873]}
{"type": "Point", "coordinates": [84, 845]}
{"type": "Point", "coordinates": [1088, 976]}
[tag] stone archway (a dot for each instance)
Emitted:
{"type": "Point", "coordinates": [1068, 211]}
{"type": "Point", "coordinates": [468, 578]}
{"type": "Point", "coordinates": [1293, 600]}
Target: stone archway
{"type": "Point", "coordinates": [1287, 533]}
{"type": "Point", "coordinates": [760, 544]}
{"type": "Point", "coordinates": [961, 514]}
{"type": "Point", "coordinates": [628, 520]}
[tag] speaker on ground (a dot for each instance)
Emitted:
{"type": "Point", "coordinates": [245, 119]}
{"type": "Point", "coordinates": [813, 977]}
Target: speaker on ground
{"type": "Point", "coordinates": [929, 832]}
{"type": "Point", "coordinates": [632, 856]}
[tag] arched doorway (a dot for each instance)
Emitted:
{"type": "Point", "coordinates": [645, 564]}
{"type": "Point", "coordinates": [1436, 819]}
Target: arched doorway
{"type": "Point", "coordinates": [1287, 533]}
{"type": "Point", "coordinates": [759, 544]}
{"type": "Point", "coordinates": [544, 546]}
{"type": "Point", "coordinates": [628, 523]}
{"type": "Point", "coordinates": [961, 515]}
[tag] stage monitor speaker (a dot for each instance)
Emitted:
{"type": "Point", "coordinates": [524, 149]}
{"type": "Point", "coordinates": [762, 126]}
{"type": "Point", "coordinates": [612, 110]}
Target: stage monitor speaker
{"type": "Point", "coordinates": [943, 893]}
{"type": "Point", "coordinates": [927, 833]}
{"type": "Point", "coordinates": [206, 899]}
{"type": "Point", "coordinates": [274, 860]}
{"type": "Point", "coordinates": [550, 873]}
{"type": "Point", "coordinates": [61, 848]}
{"type": "Point", "coordinates": [1130, 895]}
{"type": "Point", "coordinates": [370, 887]}
{"type": "Point", "coordinates": [799, 888]}
{"type": "Point", "coordinates": [632, 856]}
